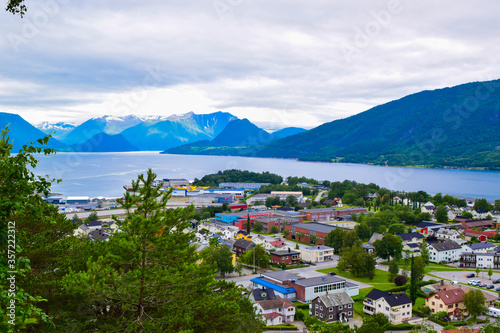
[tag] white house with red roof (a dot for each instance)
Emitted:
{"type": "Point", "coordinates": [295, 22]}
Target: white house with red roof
{"type": "Point", "coordinates": [276, 311]}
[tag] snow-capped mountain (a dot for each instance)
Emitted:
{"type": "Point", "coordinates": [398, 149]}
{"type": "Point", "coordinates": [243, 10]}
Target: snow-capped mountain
{"type": "Point", "coordinates": [57, 130]}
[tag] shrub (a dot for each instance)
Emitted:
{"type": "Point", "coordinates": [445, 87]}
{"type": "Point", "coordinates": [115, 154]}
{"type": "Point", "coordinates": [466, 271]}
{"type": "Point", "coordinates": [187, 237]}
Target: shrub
{"type": "Point", "coordinates": [400, 280]}
{"type": "Point", "coordinates": [299, 316]}
{"type": "Point", "coordinates": [400, 327]}
{"type": "Point", "coordinates": [302, 306]}
{"type": "Point", "coordinates": [425, 309]}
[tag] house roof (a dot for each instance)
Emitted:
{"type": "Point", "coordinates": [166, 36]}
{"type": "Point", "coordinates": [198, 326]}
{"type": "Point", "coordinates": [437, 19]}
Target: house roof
{"type": "Point", "coordinates": [450, 296]}
{"type": "Point", "coordinates": [99, 235]}
{"type": "Point", "coordinates": [318, 248]}
{"type": "Point", "coordinates": [375, 237]}
{"type": "Point", "coordinates": [94, 224]}
{"type": "Point", "coordinates": [275, 303]}
{"type": "Point", "coordinates": [314, 226]}
{"type": "Point", "coordinates": [263, 294]}
{"type": "Point", "coordinates": [391, 299]}
{"type": "Point", "coordinates": [368, 246]}
{"type": "Point", "coordinates": [276, 287]}
{"type": "Point", "coordinates": [284, 253]}
{"type": "Point", "coordinates": [272, 315]}
{"type": "Point", "coordinates": [244, 244]}
{"type": "Point", "coordinates": [445, 246]}
{"type": "Point", "coordinates": [481, 245]}
{"type": "Point", "coordinates": [335, 299]}
{"type": "Point", "coordinates": [425, 224]}
{"type": "Point", "coordinates": [281, 275]}
{"type": "Point", "coordinates": [243, 232]}
{"type": "Point", "coordinates": [479, 223]}
{"type": "Point", "coordinates": [318, 280]}
{"type": "Point", "coordinates": [410, 236]}
{"type": "Point", "coordinates": [277, 243]}
{"type": "Point", "coordinates": [489, 233]}
{"type": "Point", "coordinates": [412, 245]}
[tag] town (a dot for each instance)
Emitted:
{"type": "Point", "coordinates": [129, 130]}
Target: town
{"type": "Point", "coordinates": [313, 254]}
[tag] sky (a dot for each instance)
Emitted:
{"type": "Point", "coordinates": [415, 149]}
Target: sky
{"type": "Point", "coordinates": [278, 63]}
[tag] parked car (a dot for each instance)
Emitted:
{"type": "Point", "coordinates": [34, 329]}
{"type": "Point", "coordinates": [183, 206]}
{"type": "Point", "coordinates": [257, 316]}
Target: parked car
{"type": "Point", "coordinates": [498, 289]}
{"type": "Point", "coordinates": [474, 282]}
{"type": "Point", "coordinates": [482, 285]}
{"type": "Point", "coordinates": [471, 275]}
{"type": "Point", "coordinates": [496, 281]}
{"type": "Point", "coordinates": [490, 286]}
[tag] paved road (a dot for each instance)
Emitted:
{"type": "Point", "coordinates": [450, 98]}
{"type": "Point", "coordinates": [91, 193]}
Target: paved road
{"type": "Point", "coordinates": [318, 197]}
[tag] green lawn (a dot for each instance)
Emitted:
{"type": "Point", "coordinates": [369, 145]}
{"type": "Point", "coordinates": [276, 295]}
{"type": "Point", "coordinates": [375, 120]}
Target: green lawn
{"type": "Point", "coordinates": [380, 280]}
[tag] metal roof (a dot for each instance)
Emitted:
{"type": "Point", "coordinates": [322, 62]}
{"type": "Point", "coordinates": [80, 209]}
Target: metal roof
{"type": "Point", "coordinates": [273, 286]}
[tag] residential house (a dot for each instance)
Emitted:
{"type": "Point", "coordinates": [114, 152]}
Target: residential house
{"type": "Point", "coordinates": [412, 237]}
{"type": "Point", "coordinates": [453, 213]}
{"type": "Point", "coordinates": [94, 225]}
{"type": "Point", "coordinates": [276, 311]}
{"type": "Point", "coordinates": [433, 288]}
{"type": "Point", "coordinates": [81, 231]}
{"type": "Point", "coordinates": [99, 235]}
{"type": "Point", "coordinates": [448, 234]}
{"type": "Point", "coordinates": [482, 236]}
{"type": "Point", "coordinates": [278, 282]}
{"type": "Point", "coordinates": [444, 252]}
{"type": "Point", "coordinates": [278, 243]}
{"type": "Point", "coordinates": [317, 253]}
{"type": "Point", "coordinates": [396, 307]}
{"type": "Point", "coordinates": [481, 247]}
{"type": "Point", "coordinates": [482, 260]}
{"type": "Point", "coordinates": [469, 224]}
{"type": "Point", "coordinates": [368, 247]}
{"type": "Point", "coordinates": [242, 234]}
{"type": "Point", "coordinates": [287, 257]}
{"type": "Point", "coordinates": [412, 247]}
{"type": "Point", "coordinates": [479, 213]}
{"type": "Point", "coordinates": [227, 242]}
{"type": "Point", "coordinates": [450, 301]}
{"type": "Point", "coordinates": [332, 307]}
{"type": "Point", "coordinates": [426, 227]}
{"type": "Point", "coordinates": [241, 246]}
{"type": "Point", "coordinates": [428, 207]}
{"type": "Point", "coordinates": [260, 294]}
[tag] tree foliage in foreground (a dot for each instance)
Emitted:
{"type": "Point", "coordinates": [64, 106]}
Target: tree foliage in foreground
{"type": "Point", "coordinates": [148, 280]}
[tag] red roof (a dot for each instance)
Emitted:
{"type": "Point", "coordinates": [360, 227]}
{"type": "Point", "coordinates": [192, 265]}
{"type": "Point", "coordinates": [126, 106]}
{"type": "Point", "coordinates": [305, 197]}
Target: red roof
{"type": "Point", "coordinates": [488, 234]}
{"type": "Point", "coordinates": [450, 296]}
{"type": "Point", "coordinates": [272, 315]}
{"type": "Point", "coordinates": [277, 243]}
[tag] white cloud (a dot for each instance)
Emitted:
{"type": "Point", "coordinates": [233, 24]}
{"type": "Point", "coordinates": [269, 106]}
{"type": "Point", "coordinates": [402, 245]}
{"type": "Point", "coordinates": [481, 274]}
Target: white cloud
{"type": "Point", "coordinates": [256, 59]}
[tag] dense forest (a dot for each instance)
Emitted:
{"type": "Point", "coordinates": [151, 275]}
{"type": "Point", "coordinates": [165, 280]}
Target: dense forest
{"type": "Point", "coordinates": [237, 176]}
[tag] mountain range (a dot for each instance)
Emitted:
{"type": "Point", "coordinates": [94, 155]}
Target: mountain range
{"type": "Point", "coordinates": [450, 127]}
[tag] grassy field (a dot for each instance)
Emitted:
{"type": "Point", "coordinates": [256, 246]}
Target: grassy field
{"type": "Point", "coordinates": [381, 277]}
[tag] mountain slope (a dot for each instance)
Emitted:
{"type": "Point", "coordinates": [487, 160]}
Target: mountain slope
{"type": "Point", "coordinates": [104, 124]}
{"type": "Point", "coordinates": [240, 137]}
{"type": "Point", "coordinates": [102, 142]}
{"type": "Point", "coordinates": [457, 126]}
{"type": "Point", "coordinates": [22, 132]}
{"type": "Point", "coordinates": [284, 132]}
{"type": "Point", "coordinates": [179, 130]}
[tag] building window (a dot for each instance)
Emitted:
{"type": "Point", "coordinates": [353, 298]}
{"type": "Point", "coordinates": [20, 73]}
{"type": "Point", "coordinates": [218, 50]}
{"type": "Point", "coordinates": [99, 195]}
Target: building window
{"type": "Point", "coordinates": [340, 307]}
{"type": "Point", "coordinates": [349, 313]}
{"type": "Point", "coordinates": [330, 309]}
{"type": "Point", "coordinates": [321, 308]}
{"type": "Point", "coordinates": [386, 308]}
{"type": "Point", "coordinates": [321, 315]}
{"type": "Point", "coordinates": [330, 317]}
{"type": "Point", "coordinates": [316, 306]}
{"type": "Point", "coordinates": [441, 305]}
{"type": "Point", "coordinates": [349, 306]}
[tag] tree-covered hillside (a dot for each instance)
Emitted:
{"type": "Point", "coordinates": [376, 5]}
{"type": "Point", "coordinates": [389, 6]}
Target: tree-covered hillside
{"type": "Point", "coordinates": [456, 126]}
{"type": "Point", "coordinates": [237, 176]}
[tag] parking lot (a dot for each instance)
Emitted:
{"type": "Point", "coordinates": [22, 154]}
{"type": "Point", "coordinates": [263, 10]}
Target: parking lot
{"type": "Point", "coordinates": [461, 277]}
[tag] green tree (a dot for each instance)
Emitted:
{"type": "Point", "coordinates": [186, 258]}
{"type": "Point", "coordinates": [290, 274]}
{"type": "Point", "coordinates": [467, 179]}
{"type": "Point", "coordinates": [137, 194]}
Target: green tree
{"type": "Point", "coordinates": [424, 252]}
{"type": "Point", "coordinates": [248, 225]}
{"type": "Point", "coordinates": [441, 214]}
{"type": "Point", "coordinates": [41, 237]}
{"type": "Point", "coordinates": [299, 235]}
{"type": "Point", "coordinates": [416, 275]}
{"type": "Point", "coordinates": [335, 239]}
{"type": "Point", "coordinates": [377, 323]}
{"type": "Point", "coordinates": [313, 239]}
{"type": "Point", "coordinates": [142, 275]}
{"type": "Point", "coordinates": [258, 226]}
{"type": "Point", "coordinates": [358, 261]}
{"type": "Point", "coordinates": [490, 272]}
{"type": "Point", "coordinates": [482, 204]}
{"type": "Point", "coordinates": [364, 232]}
{"type": "Point", "coordinates": [286, 233]}
{"type": "Point", "coordinates": [477, 271]}
{"type": "Point", "coordinates": [221, 256]}
{"type": "Point", "coordinates": [397, 228]}
{"type": "Point", "coordinates": [497, 205]}
{"type": "Point", "coordinates": [291, 200]}
{"type": "Point", "coordinates": [274, 229]}
{"type": "Point", "coordinates": [474, 302]}
{"type": "Point", "coordinates": [92, 217]}
{"type": "Point", "coordinates": [258, 254]}
{"type": "Point", "coordinates": [390, 246]}
{"type": "Point", "coordinates": [76, 220]}
{"type": "Point", "coordinates": [393, 270]}
{"type": "Point", "coordinates": [467, 215]}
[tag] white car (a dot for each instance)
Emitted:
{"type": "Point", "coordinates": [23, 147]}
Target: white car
{"type": "Point", "coordinates": [474, 282]}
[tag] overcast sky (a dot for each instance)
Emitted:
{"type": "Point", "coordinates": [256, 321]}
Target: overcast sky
{"type": "Point", "coordinates": [277, 63]}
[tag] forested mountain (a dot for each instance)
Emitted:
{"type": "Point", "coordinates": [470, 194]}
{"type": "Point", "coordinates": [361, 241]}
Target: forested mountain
{"type": "Point", "coordinates": [22, 132]}
{"type": "Point", "coordinates": [237, 176]}
{"type": "Point", "coordinates": [457, 126]}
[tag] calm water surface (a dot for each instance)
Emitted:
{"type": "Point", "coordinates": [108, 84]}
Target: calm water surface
{"type": "Point", "coordinates": [104, 174]}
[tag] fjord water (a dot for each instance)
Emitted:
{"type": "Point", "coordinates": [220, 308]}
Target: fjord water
{"type": "Point", "coordinates": [104, 174]}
